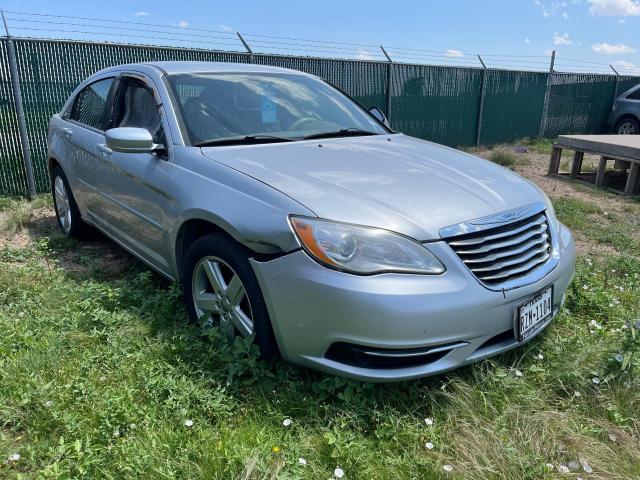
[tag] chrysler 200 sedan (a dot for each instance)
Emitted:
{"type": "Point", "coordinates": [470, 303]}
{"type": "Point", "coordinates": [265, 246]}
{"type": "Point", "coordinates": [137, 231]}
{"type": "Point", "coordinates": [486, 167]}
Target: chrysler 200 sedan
{"type": "Point", "coordinates": [297, 218]}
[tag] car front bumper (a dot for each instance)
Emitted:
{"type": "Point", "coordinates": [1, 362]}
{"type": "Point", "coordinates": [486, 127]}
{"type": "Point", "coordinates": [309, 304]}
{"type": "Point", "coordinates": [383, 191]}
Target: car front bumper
{"type": "Point", "coordinates": [313, 307]}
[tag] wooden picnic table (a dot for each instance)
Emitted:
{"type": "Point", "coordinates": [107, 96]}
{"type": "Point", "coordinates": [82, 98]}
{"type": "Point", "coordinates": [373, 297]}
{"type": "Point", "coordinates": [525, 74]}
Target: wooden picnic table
{"type": "Point", "coordinates": [624, 149]}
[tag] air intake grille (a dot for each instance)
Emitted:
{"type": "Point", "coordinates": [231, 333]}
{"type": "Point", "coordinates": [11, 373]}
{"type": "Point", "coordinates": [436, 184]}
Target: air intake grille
{"type": "Point", "coordinates": [507, 252]}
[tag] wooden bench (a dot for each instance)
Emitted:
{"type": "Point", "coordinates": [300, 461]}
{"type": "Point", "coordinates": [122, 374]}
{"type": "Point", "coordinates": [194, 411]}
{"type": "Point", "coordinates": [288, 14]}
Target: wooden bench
{"type": "Point", "coordinates": [624, 149]}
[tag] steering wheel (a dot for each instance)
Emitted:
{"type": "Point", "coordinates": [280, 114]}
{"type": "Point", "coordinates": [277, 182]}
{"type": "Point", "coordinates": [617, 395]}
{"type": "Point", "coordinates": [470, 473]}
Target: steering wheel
{"type": "Point", "coordinates": [304, 121]}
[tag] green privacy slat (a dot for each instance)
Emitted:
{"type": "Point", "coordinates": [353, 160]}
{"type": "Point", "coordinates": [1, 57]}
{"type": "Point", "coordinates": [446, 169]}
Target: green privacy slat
{"type": "Point", "coordinates": [579, 103]}
{"type": "Point", "coordinates": [436, 103]}
{"type": "Point", "coordinates": [513, 105]}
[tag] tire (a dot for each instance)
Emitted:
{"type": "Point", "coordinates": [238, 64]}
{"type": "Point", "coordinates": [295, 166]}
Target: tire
{"type": "Point", "coordinates": [65, 206]}
{"type": "Point", "coordinates": [214, 263]}
{"type": "Point", "coordinates": [628, 126]}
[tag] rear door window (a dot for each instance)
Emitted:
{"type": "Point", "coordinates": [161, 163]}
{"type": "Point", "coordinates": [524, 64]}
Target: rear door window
{"type": "Point", "coordinates": [91, 105]}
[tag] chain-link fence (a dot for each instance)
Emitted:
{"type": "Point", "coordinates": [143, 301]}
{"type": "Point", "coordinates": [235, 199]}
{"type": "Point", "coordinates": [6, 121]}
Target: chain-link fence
{"type": "Point", "coordinates": [455, 106]}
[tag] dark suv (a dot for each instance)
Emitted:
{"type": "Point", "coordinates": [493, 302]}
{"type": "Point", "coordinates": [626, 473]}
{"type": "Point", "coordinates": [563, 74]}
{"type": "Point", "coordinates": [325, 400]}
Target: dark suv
{"type": "Point", "coordinates": [624, 118]}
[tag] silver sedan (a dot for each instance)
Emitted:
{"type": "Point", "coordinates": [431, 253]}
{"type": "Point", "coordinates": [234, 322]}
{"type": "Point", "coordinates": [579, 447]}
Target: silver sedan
{"type": "Point", "coordinates": [296, 217]}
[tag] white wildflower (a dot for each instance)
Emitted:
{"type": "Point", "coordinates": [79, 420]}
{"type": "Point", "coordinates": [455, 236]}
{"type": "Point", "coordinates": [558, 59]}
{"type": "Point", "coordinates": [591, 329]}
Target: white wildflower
{"type": "Point", "coordinates": [188, 423]}
{"type": "Point", "coordinates": [577, 394]}
{"type": "Point", "coordinates": [447, 468]}
{"type": "Point", "coordinates": [286, 422]}
{"type": "Point", "coordinates": [428, 421]}
{"type": "Point", "coordinates": [338, 472]}
{"type": "Point", "coordinates": [429, 445]}
{"type": "Point", "coordinates": [518, 373]}
{"type": "Point", "coordinates": [14, 457]}
{"type": "Point", "coordinates": [586, 467]}
{"type": "Point", "coordinates": [116, 433]}
{"type": "Point", "coordinates": [619, 357]}
{"type": "Point", "coordinates": [563, 469]}
{"type": "Point", "coordinates": [549, 466]}
{"type": "Point", "coordinates": [302, 461]}
{"type": "Point", "coordinates": [48, 403]}
{"type": "Point", "coordinates": [540, 356]}
{"type": "Point", "coordinates": [596, 380]}
{"type": "Point", "coordinates": [585, 287]}
{"type": "Point", "coordinates": [613, 437]}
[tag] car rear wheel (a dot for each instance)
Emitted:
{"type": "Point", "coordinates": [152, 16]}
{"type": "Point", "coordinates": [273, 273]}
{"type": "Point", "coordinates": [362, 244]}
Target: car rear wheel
{"type": "Point", "coordinates": [67, 213]}
{"type": "Point", "coordinates": [221, 289]}
{"type": "Point", "coordinates": [628, 126]}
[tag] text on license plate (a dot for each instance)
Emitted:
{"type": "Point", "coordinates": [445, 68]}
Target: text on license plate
{"type": "Point", "coordinates": [534, 313]}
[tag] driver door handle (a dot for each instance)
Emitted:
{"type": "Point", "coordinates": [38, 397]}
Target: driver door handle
{"type": "Point", "coordinates": [67, 131]}
{"type": "Point", "coordinates": [106, 151]}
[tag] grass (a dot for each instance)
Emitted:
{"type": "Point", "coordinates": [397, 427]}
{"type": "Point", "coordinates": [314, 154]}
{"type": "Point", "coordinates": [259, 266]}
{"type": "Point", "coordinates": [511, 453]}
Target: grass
{"type": "Point", "coordinates": [18, 212]}
{"type": "Point", "coordinates": [99, 373]}
{"type": "Point", "coordinates": [503, 156]}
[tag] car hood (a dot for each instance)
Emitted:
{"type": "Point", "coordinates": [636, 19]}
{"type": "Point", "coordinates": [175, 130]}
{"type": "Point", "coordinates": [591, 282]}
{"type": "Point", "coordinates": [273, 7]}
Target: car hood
{"type": "Point", "coordinates": [395, 182]}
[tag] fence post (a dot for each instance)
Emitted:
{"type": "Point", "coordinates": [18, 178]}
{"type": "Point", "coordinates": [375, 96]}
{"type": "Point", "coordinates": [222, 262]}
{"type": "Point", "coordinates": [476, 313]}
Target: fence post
{"type": "Point", "coordinates": [246, 45]}
{"type": "Point", "coordinates": [545, 106]}
{"type": "Point", "coordinates": [481, 108]}
{"type": "Point", "coordinates": [22, 123]}
{"type": "Point", "coordinates": [615, 90]}
{"type": "Point", "coordinates": [389, 81]}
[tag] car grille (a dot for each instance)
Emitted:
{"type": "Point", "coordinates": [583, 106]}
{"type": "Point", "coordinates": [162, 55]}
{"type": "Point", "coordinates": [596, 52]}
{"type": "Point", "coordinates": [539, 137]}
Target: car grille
{"type": "Point", "coordinates": [504, 253]}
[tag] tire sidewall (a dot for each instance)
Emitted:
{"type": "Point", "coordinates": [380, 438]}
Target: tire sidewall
{"type": "Point", "coordinates": [76, 219]}
{"type": "Point", "coordinates": [237, 257]}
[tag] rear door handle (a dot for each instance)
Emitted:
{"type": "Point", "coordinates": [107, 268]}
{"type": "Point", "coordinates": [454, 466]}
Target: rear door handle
{"type": "Point", "coordinates": [106, 151]}
{"type": "Point", "coordinates": [67, 131]}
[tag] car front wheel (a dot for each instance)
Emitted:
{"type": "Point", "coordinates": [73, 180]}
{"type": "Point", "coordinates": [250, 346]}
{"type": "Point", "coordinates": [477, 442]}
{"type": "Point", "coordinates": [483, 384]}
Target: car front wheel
{"type": "Point", "coordinates": [628, 126]}
{"type": "Point", "coordinates": [221, 289]}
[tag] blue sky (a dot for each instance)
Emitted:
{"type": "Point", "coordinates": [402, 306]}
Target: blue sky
{"type": "Point", "coordinates": [599, 31]}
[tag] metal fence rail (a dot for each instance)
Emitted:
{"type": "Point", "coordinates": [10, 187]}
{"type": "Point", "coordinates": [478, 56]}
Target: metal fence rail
{"type": "Point", "coordinates": [455, 106]}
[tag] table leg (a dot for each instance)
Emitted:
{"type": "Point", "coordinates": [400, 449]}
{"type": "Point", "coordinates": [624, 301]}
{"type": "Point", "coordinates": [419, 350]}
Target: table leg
{"type": "Point", "coordinates": [601, 169]}
{"type": "Point", "coordinates": [576, 166]}
{"type": "Point", "coordinates": [554, 162]}
{"type": "Point", "coordinates": [632, 179]}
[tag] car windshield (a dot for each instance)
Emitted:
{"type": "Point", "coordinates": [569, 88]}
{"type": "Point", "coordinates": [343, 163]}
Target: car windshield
{"type": "Point", "coordinates": [228, 108]}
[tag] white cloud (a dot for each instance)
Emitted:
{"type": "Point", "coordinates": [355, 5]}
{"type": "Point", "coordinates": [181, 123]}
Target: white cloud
{"type": "Point", "coordinates": [563, 39]}
{"type": "Point", "coordinates": [527, 40]}
{"type": "Point", "coordinates": [565, 15]}
{"type": "Point", "coordinates": [183, 24]}
{"type": "Point", "coordinates": [622, 20]}
{"type": "Point", "coordinates": [364, 55]}
{"type": "Point", "coordinates": [225, 28]}
{"type": "Point", "coordinates": [608, 49]}
{"type": "Point", "coordinates": [624, 64]}
{"type": "Point", "coordinates": [614, 8]}
{"type": "Point", "coordinates": [454, 53]}
{"type": "Point", "coordinates": [141, 14]}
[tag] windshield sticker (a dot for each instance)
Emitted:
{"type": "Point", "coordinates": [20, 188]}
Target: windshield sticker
{"type": "Point", "coordinates": [268, 108]}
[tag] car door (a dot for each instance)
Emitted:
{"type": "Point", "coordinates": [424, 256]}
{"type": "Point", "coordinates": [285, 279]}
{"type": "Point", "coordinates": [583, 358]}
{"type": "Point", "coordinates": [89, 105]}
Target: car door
{"type": "Point", "coordinates": [83, 128]}
{"type": "Point", "coordinates": [138, 189]}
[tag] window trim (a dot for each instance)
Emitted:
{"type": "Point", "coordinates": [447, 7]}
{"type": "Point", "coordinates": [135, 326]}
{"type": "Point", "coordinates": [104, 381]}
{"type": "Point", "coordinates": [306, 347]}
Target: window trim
{"type": "Point", "coordinates": [108, 103]}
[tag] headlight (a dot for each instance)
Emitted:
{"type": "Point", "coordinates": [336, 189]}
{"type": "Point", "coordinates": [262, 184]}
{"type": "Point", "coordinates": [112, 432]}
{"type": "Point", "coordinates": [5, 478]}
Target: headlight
{"type": "Point", "coordinates": [363, 250]}
{"type": "Point", "coordinates": [551, 212]}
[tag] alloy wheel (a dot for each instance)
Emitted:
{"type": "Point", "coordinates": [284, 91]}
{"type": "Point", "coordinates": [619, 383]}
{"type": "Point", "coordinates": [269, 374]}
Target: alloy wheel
{"type": "Point", "coordinates": [63, 207]}
{"type": "Point", "coordinates": [627, 128]}
{"type": "Point", "coordinates": [220, 296]}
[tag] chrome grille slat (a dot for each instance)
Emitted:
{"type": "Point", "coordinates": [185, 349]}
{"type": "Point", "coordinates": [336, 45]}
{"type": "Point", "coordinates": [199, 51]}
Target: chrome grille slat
{"type": "Point", "coordinates": [516, 261]}
{"type": "Point", "coordinates": [502, 254]}
{"type": "Point", "coordinates": [538, 220]}
{"type": "Point", "coordinates": [489, 246]}
{"type": "Point", "coordinates": [525, 268]}
{"type": "Point", "coordinates": [507, 253]}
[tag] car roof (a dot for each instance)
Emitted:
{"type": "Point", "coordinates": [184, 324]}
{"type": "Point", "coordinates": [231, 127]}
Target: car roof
{"type": "Point", "coordinates": [177, 67]}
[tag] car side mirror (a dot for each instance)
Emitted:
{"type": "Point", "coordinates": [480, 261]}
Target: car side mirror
{"type": "Point", "coordinates": [376, 112]}
{"type": "Point", "coordinates": [131, 140]}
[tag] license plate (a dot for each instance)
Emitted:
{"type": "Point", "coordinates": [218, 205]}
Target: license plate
{"type": "Point", "coordinates": [534, 313]}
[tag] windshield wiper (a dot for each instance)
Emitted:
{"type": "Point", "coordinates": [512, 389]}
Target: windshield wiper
{"type": "Point", "coordinates": [344, 132]}
{"type": "Point", "coordinates": [242, 140]}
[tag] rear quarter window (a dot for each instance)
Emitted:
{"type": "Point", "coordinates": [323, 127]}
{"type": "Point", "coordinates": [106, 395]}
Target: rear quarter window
{"type": "Point", "coordinates": [90, 105]}
{"type": "Point", "coordinates": [634, 95]}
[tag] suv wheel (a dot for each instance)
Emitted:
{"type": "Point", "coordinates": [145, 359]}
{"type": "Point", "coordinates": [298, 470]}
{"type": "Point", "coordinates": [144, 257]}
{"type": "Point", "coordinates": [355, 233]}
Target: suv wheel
{"type": "Point", "coordinates": [628, 126]}
{"type": "Point", "coordinates": [67, 213]}
{"type": "Point", "coordinates": [221, 289]}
